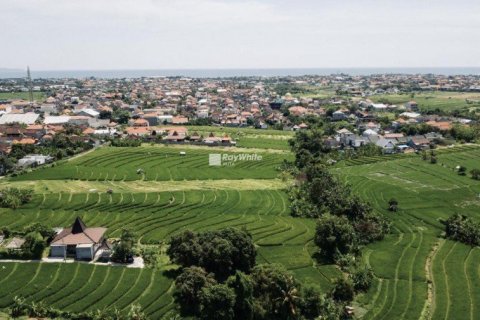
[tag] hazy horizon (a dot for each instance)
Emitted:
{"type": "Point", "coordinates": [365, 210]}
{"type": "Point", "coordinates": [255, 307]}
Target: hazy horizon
{"type": "Point", "coordinates": [246, 68]}
{"type": "Point", "coordinates": [231, 73]}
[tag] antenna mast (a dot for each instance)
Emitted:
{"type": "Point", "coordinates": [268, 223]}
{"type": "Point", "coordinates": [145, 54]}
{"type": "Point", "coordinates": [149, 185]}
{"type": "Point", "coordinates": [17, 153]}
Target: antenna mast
{"type": "Point", "coordinates": [30, 88]}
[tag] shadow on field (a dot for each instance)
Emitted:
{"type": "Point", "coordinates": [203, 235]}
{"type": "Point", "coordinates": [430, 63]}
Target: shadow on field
{"type": "Point", "coordinates": [321, 259]}
{"type": "Point", "coordinates": [172, 273]}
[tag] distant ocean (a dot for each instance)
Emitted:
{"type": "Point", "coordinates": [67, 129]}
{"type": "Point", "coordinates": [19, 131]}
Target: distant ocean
{"type": "Point", "coordinates": [225, 73]}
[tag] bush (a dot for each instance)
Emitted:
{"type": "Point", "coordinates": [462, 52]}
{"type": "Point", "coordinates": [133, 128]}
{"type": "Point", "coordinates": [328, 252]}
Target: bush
{"type": "Point", "coordinates": [475, 174]}
{"type": "Point", "coordinates": [345, 261]}
{"type": "Point", "coordinates": [126, 142]}
{"type": "Point", "coordinates": [123, 250]}
{"type": "Point", "coordinates": [150, 256]}
{"type": "Point", "coordinates": [188, 286]}
{"type": "Point", "coordinates": [34, 245]}
{"type": "Point", "coordinates": [46, 232]}
{"type": "Point", "coordinates": [15, 197]}
{"type": "Point", "coordinates": [335, 236]}
{"type": "Point", "coordinates": [217, 302]}
{"type": "Point", "coordinates": [343, 290]}
{"type": "Point", "coordinates": [463, 229]}
{"type": "Point", "coordinates": [38, 310]}
{"type": "Point", "coordinates": [362, 279]}
{"type": "Point", "coordinates": [393, 205]}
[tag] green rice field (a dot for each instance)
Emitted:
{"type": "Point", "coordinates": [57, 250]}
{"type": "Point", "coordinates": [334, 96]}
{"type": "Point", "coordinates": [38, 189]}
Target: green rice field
{"type": "Point", "coordinates": [249, 138]}
{"type": "Point", "coordinates": [418, 274]}
{"type": "Point", "coordinates": [159, 164]}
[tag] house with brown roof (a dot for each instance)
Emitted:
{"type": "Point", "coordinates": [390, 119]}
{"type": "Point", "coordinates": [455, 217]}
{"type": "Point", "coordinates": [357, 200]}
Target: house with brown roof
{"type": "Point", "coordinates": [440, 125]}
{"type": "Point", "coordinates": [175, 137]}
{"type": "Point", "coordinates": [138, 131]}
{"type": "Point", "coordinates": [78, 241]}
{"type": "Point", "coordinates": [179, 120]}
{"type": "Point", "coordinates": [141, 123]}
{"type": "Point", "coordinates": [418, 142]}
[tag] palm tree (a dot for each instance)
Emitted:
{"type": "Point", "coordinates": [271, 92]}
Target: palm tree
{"type": "Point", "coordinates": [288, 300]}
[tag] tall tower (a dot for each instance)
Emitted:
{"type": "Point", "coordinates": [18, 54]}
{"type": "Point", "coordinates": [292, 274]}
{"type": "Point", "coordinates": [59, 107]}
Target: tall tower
{"type": "Point", "coordinates": [30, 88]}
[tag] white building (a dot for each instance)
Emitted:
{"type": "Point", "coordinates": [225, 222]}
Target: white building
{"type": "Point", "coordinates": [25, 118]}
{"type": "Point", "coordinates": [32, 159]}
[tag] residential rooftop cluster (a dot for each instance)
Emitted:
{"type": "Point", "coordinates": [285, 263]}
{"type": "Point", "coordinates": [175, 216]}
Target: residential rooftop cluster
{"type": "Point", "coordinates": [161, 109]}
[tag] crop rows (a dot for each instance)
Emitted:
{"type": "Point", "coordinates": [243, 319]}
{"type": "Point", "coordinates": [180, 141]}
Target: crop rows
{"type": "Point", "coordinates": [79, 287]}
{"type": "Point", "coordinates": [398, 156]}
{"type": "Point", "coordinates": [154, 217]}
{"type": "Point", "coordinates": [426, 193]}
{"type": "Point", "coordinates": [157, 216]}
{"type": "Point", "coordinates": [157, 164]}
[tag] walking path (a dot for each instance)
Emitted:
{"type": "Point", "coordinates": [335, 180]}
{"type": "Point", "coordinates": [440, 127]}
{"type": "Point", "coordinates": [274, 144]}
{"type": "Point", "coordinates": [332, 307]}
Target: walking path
{"type": "Point", "coordinates": [137, 262]}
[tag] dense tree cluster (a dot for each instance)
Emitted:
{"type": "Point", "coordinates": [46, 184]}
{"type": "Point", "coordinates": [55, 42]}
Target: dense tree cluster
{"type": "Point", "coordinates": [463, 229]}
{"type": "Point", "coordinates": [309, 147]}
{"type": "Point", "coordinates": [15, 197]}
{"type": "Point", "coordinates": [335, 236]}
{"type": "Point", "coordinates": [322, 193]}
{"type": "Point", "coordinates": [243, 290]}
{"type": "Point", "coordinates": [344, 220]}
{"type": "Point", "coordinates": [59, 147]}
{"type": "Point", "coordinates": [36, 236]}
{"type": "Point", "coordinates": [220, 252]}
{"type": "Point", "coordinates": [465, 133]}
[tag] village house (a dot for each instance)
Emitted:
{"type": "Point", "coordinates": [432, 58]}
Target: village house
{"type": "Point", "coordinates": [418, 142]}
{"type": "Point", "coordinates": [24, 118]}
{"type": "Point", "coordinates": [34, 160]}
{"type": "Point", "coordinates": [78, 241]}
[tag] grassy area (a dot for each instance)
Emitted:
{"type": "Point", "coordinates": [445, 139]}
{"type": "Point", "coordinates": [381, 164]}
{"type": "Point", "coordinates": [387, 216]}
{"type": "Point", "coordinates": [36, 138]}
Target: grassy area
{"type": "Point", "coordinates": [250, 138]}
{"type": "Point", "coordinates": [310, 91]}
{"type": "Point", "coordinates": [157, 164]}
{"type": "Point", "coordinates": [80, 186]}
{"type": "Point", "coordinates": [446, 101]}
{"type": "Point", "coordinates": [39, 96]}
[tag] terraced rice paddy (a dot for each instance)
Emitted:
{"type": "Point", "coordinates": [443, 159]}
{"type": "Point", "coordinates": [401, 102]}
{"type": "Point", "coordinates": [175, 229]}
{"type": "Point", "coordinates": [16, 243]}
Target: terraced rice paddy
{"type": "Point", "coordinates": [417, 273]}
{"type": "Point", "coordinates": [426, 193]}
{"type": "Point", "coordinates": [81, 287]}
{"type": "Point", "coordinates": [156, 216]}
{"type": "Point", "coordinates": [157, 164]}
{"type": "Point", "coordinates": [455, 151]}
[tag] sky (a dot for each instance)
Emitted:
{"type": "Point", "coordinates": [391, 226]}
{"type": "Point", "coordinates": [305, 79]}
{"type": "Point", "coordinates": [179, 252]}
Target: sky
{"type": "Point", "coordinates": [186, 34]}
